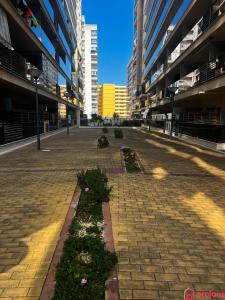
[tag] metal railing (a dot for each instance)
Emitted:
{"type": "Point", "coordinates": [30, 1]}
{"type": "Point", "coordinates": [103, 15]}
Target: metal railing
{"type": "Point", "coordinates": [206, 72]}
{"type": "Point", "coordinates": [201, 26]}
{"type": "Point", "coordinates": [202, 118]}
{"type": "Point", "coordinates": [15, 63]}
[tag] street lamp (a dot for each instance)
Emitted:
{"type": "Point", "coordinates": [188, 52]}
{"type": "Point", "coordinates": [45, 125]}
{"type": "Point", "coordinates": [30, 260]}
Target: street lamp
{"type": "Point", "coordinates": [35, 74]}
{"type": "Point", "coordinates": [67, 95]}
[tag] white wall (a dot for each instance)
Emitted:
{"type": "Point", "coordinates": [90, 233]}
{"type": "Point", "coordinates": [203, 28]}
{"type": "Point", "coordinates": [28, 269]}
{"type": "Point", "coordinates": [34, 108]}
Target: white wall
{"type": "Point", "coordinates": [87, 58]}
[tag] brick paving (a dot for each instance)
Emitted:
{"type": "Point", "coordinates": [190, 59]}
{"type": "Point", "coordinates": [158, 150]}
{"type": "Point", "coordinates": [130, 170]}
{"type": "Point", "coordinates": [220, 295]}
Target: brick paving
{"type": "Point", "coordinates": [168, 224]}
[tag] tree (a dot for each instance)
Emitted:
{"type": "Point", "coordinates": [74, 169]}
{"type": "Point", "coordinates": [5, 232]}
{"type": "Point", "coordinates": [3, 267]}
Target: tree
{"type": "Point", "coordinates": [115, 116]}
{"type": "Point", "coordinates": [100, 119]}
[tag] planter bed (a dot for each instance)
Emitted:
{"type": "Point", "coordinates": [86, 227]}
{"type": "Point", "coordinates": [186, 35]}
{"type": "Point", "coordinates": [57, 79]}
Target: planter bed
{"type": "Point", "coordinates": [86, 263]}
{"type": "Point", "coordinates": [131, 162]}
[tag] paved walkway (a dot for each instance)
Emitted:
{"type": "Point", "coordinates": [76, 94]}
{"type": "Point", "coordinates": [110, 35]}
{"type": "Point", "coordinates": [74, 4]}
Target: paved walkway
{"type": "Point", "coordinates": [168, 224]}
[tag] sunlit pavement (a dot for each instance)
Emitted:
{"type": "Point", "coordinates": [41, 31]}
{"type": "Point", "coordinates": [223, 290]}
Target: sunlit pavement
{"type": "Point", "coordinates": [168, 224]}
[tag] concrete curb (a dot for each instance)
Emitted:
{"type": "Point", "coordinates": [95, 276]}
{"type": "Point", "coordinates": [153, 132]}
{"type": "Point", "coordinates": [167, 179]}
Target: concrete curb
{"type": "Point", "coordinates": [112, 284]}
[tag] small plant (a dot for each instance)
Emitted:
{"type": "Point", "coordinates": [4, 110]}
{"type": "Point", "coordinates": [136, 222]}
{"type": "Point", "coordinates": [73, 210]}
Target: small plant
{"type": "Point", "coordinates": [105, 130]}
{"type": "Point", "coordinates": [103, 142]}
{"type": "Point", "coordinates": [86, 264]}
{"type": "Point", "coordinates": [130, 159]}
{"type": "Point", "coordinates": [118, 133]}
{"type": "Point", "coordinates": [94, 184]}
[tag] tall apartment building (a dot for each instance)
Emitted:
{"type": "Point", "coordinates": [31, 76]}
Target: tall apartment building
{"type": "Point", "coordinates": [44, 35]}
{"type": "Point", "coordinates": [135, 65]}
{"type": "Point", "coordinates": [183, 68]}
{"type": "Point", "coordinates": [90, 68]}
{"type": "Point", "coordinates": [113, 99]}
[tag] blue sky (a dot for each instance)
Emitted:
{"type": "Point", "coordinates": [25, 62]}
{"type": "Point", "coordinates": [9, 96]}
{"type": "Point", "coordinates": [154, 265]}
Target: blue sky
{"type": "Point", "coordinates": [115, 28]}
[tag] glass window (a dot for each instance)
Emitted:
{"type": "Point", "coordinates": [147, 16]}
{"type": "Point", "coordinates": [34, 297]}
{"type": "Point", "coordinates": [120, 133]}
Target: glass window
{"type": "Point", "coordinates": [61, 84]}
{"type": "Point", "coordinates": [49, 75]}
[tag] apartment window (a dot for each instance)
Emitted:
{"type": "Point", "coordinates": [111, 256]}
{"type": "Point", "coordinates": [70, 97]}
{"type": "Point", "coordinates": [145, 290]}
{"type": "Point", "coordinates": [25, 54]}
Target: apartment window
{"type": "Point", "coordinates": [94, 33]}
{"type": "Point", "coordinates": [94, 82]}
{"type": "Point", "coordinates": [94, 41]}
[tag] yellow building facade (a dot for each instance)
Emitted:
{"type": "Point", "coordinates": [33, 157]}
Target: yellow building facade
{"type": "Point", "coordinates": [113, 99]}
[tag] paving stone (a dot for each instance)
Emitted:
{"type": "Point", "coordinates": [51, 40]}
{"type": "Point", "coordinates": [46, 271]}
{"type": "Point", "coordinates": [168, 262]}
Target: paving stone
{"type": "Point", "coordinates": [177, 213]}
{"type": "Point", "coordinates": [168, 224]}
{"type": "Point", "coordinates": [145, 294]}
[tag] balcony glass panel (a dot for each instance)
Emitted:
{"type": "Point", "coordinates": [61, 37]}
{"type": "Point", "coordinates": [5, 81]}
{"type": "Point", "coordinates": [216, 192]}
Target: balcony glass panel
{"type": "Point", "coordinates": [180, 12]}
{"type": "Point", "coordinates": [159, 23]}
{"type": "Point", "coordinates": [64, 40]}
{"type": "Point", "coordinates": [152, 19]}
{"type": "Point", "coordinates": [49, 9]}
{"type": "Point", "coordinates": [61, 4]}
{"type": "Point", "coordinates": [66, 66]}
{"type": "Point", "coordinates": [41, 35]}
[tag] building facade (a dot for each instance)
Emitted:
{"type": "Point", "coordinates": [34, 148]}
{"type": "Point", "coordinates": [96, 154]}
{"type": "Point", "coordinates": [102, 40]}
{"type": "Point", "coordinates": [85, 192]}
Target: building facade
{"type": "Point", "coordinates": [135, 65]}
{"type": "Point", "coordinates": [43, 35]}
{"type": "Point", "coordinates": [113, 100]}
{"type": "Point", "coordinates": [183, 66]}
{"type": "Point", "coordinates": [90, 68]}
{"type": "Point", "coordinates": [121, 101]}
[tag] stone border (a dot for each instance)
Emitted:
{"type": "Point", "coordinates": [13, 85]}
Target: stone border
{"type": "Point", "coordinates": [112, 284]}
{"type": "Point", "coordinates": [49, 284]}
{"type": "Point", "coordinates": [112, 287]}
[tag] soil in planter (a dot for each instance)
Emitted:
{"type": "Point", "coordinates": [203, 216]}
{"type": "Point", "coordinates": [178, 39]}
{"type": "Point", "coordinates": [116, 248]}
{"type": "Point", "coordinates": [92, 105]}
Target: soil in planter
{"type": "Point", "coordinates": [118, 133]}
{"type": "Point", "coordinates": [105, 130]}
{"type": "Point", "coordinates": [130, 160]}
{"type": "Point", "coordinates": [103, 142]}
{"type": "Point", "coordinates": [86, 264]}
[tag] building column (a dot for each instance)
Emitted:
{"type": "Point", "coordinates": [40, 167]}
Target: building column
{"type": "Point", "coordinates": [78, 117]}
{"type": "Point", "coordinates": [6, 104]}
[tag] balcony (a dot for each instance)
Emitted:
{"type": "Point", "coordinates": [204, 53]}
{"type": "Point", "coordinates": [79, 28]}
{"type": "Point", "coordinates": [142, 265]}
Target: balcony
{"type": "Point", "coordinates": [205, 73]}
{"type": "Point", "coordinates": [200, 27]}
{"type": "Point", "coordinates": [212, 118]}
{"type": "Point", "coordinates": [16, 64]}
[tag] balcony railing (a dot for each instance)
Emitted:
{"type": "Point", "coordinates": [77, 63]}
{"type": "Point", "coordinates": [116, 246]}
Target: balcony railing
{"type": "Point", "coordinates": [202, 118]}
{"type": "Point", "coordinates": [196, 31]}
{"type": "Point", "coordinates": [206, 72]}
{"type": "Point", "coordinates": [15, 63]}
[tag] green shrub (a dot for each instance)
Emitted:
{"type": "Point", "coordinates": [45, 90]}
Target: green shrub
{"type": "Point", "coordinates": [96, 182]}
{"type": "Point", "coordinates": [105, 130]}
{"type": "Point", "coordinates": [103, 142]}
{"type": "Point", "coordinates": [85, 256]}
{"type": "Point", "coordinates": [118, 133]}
